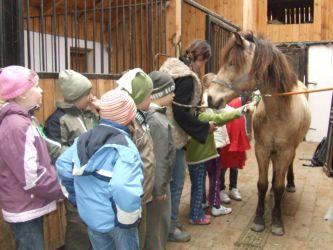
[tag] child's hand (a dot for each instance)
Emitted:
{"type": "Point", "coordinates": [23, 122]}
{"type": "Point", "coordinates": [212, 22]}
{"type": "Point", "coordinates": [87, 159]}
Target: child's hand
{"type": "Point", "coordinates": [212, 127]}
{"type": "Point", "coordinates": [161, 197]}
{"type": "Point", "coordinates": [94, 103]}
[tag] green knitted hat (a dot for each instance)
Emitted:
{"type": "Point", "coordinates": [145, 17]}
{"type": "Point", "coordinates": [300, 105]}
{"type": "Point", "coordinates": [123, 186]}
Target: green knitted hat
{"type": "Point", "coordinates": [137, 83]}
{"type": "Point", "coordinates": [73, 85]}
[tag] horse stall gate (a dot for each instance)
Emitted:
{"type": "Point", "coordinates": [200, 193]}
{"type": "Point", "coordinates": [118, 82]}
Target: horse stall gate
{"type": "Point", "coordinates": [199, 22]}
{"type": "Point", "coordinates": [99, 38]}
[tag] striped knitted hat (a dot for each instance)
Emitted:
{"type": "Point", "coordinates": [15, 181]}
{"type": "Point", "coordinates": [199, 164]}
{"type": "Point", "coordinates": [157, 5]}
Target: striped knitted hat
{"type": "Point", "coordinates": [163, 84]}
{"type": "Point", "coordinates": [117, 106]}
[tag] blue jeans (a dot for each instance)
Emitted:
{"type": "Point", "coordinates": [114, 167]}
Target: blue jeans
{"type": "Point", "coordinates": [28, 235]}
{"type": "Point", "coordinates": [116, 239]}
{"type": "Point", "coordinates": [177, 183]}
{"type": "Point", "coordinates": [197, 175]}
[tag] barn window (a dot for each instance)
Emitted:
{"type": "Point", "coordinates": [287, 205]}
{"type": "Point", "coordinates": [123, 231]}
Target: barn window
{"type": "Point", "coordinates": [290, 11]}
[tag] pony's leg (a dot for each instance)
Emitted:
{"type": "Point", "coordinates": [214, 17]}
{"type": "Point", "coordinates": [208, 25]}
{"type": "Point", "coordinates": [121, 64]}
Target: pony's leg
{"type": "Point", "coordinates": [281, 161]}
{"type": "Point", "coordinates": [262, 156]}
{"type": "Point", "coordinates": [291, 188]}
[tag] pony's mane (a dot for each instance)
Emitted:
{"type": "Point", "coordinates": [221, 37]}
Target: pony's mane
{"type": "Point", "coordinates": [270, 67]}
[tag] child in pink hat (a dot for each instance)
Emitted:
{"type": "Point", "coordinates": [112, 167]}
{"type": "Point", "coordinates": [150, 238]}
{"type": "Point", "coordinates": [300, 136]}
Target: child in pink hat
{"type": "Point", "coordinates": [29, 187]}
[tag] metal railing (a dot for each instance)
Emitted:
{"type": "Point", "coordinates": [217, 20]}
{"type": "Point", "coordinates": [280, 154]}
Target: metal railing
{"type": "Point", "coordinates": [93, 36]}
{"type": "Point", "coordinates": [217, 35]}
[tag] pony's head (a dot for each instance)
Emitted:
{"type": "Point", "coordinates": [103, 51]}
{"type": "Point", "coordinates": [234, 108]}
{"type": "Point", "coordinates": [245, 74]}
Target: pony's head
{"type": "Point", "coordinates": [248, 63]}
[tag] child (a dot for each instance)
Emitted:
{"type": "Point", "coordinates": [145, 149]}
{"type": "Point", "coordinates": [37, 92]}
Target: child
{"type": "Point", "coordinates": [29, 186]}
{"type": "Point", "coordinates": [73, 116]}
{"type": "Point", "coordinates": [197, 156]}
{"type": "Point", "coordinates": [71, 119]}
{"type": "Point", "coordinates": [139, 85]}
{"type": "Point", "coordinates": [106, 170]}
{"type": "Point", "coordinates": [233, 155]}
{"type": "Point", "coordinates": [159, 210]}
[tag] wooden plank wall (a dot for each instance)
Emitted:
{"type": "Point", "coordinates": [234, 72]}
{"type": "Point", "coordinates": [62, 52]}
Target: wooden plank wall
{"type": "Point", "coordinates": [320, 30]}
{"type": "Point", "coordinates": [51, 93]}
{"type": "Point", "coordinates": [252, 14]}
{"type": "Point", "coordinates": [54, 223]}
{"type": "Point", "coordinates": [194, 20]}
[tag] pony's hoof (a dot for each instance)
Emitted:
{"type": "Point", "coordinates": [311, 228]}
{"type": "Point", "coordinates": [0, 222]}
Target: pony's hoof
{"type": "Point", "coordinates": [257, 227]}
{"type": "Point", "coordinates": [277, 230]}
{"type": "Point", "coordinates": [291, 189]}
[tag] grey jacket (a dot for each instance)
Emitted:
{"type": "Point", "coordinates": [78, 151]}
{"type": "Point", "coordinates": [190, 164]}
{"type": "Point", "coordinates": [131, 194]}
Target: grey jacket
{"type": "Point", "coordinates": [164, 148]}
{"type": "Point", "coordinates": [144, 143]}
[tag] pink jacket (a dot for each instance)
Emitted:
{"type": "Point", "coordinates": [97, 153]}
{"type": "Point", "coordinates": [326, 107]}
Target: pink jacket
{"type": "Point", "coordinates": [28, 182]}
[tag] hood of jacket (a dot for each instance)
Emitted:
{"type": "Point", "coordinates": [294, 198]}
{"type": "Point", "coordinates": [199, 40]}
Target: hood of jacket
{"type": "Point", "coordinates": [12, 109]}
{"type": "Point", "coordinates": [93, 142]}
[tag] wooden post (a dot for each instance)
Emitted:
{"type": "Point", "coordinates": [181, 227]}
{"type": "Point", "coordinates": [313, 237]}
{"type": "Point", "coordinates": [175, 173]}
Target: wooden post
{"type": "Point", "coordinates": [174, 26]}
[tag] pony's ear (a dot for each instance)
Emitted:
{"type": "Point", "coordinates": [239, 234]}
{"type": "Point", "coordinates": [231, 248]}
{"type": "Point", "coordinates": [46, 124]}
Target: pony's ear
{"type": "Point", "coordinates": [239, 39]}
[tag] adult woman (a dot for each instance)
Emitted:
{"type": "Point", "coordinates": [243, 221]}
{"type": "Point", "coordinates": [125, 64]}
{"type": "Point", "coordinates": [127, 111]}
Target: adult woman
{"type": "Point", "coordinates": [186, 72]}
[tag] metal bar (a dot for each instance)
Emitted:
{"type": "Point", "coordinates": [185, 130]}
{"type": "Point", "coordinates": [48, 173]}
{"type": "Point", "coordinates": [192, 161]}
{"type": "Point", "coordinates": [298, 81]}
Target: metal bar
{"type": "Point", "coordinates": [54, 35]}
{"type": "Point", "coordinates": [109, 37]}
{"type": "Point", "coordinates": [130, 38]}
{"type": "Point", "coordinates": [94, 37]}
{"type": "Point", "coordinates": [134, 34]}
{"type": "Point", "coordinates": [28, 33]}
{"type": "Point", "coordinates": [148, 21]}
{"type": "Point", "coordinates": [20, 32]}
{"type": "Point", "coordinates": [116, 37]}
{"type": "Point", "coordinates": [33, 43]}
{"type": "Point", "coordinates": [45, 43]}
{"type": "Point", "coordinates": [76, 35]}
{"type": "Point", "coordinates": [52, 46]}
{"type": "Point", "coordinates": [39, 46]}
{"type": "Point", "coordinates": [213, 14]}
{"type": "Point", "coordinates": [85, 37]}
{"type": "Point", "coordinates": [42, 33]}
{"type": "Point", "coordinates": [123, 35]}
{"type": "Point", "coordinates": [66, 42]}
{"type": "Point", "coordinates": [164, 26]}
{"type": "Point", "coordinates": [58, 38]}
{"type": "Point", "coordinates": [102, 37]}
{"type": "Point", "coordinates": [2, 35]}
{"type": "Point", "coordinates": [156, 29]}
{"type": "Point", "coordinates": [141, 37]}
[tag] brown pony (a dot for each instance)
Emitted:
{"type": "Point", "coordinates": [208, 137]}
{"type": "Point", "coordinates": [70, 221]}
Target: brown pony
{"type": "Point", "coordinates": [279, 123]}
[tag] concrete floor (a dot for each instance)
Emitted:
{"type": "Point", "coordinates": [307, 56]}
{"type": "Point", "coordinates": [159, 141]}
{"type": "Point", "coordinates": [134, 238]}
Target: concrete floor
{"type": "Point", "coordinates": [303, 213]}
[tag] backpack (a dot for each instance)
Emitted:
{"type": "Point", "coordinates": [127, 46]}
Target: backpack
{"type": "Point", "coordinates": [319, 155]}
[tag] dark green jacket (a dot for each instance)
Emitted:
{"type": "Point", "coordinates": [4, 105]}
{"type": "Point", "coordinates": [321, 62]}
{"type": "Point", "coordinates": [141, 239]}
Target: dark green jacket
{"type": "Point", "coordinates": [197, 152]}
{"type": "Point", "coordinates": [65, 124]}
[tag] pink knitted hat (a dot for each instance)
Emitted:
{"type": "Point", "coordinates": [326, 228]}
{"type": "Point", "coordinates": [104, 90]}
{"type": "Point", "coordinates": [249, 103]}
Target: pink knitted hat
{"type": "Point", "coordinates": [15, 80]}
{"type": "Point", "coordinates": [117, 106]}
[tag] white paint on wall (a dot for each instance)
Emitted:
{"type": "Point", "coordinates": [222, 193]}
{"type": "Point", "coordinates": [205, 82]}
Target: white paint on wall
{"type": "Point", "coordinates": [320, 71]}
{"type": "Point", "coordinates": [49, 57]}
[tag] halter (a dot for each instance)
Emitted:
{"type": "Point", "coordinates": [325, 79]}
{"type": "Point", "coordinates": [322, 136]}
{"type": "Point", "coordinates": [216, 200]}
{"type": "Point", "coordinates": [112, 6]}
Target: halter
{"type": "Point", "coordinates": [232, 85]}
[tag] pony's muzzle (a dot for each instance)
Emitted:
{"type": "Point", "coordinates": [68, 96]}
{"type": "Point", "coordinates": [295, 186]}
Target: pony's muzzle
{"type": "Point", "coordinates": [216, 104]}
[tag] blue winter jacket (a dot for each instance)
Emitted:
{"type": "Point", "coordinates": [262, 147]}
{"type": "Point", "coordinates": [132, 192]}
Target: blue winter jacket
{"type": "Point", "coordinates": [102, 175]}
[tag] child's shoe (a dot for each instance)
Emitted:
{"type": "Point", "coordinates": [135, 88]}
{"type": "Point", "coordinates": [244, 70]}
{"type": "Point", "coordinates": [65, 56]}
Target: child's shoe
{"type": "Point", "coordinates": [235, 194]}
{"type": "Point", "coordinates": [222, 210]}
{"type": "Point", "coordinates": [224, 197]}
{"type": "Point", "coordinates": [204, 221]}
